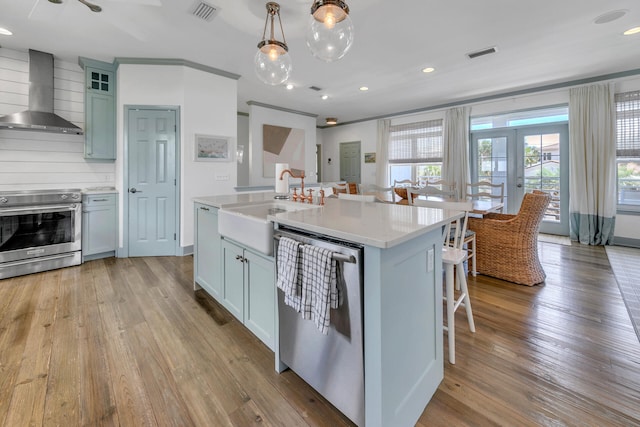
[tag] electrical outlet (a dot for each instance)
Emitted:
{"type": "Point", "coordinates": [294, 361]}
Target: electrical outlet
{"type": "Point", "coordinates": [222, 177]}
{"type": "Point", "coordinates": [430, 260]}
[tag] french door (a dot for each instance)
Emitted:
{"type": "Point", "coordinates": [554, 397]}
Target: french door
{"type": "Point", "coordinates": [524, 159]}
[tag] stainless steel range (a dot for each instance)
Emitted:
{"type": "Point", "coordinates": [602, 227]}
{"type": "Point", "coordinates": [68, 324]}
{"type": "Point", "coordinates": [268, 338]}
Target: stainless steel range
{"type": "Point", "coordinates": [39, 230]}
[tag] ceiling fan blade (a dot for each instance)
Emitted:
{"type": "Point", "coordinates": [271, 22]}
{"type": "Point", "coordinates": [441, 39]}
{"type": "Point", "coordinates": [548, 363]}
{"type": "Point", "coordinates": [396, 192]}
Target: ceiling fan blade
{"type": "Point", "coordinates": [93, 7]}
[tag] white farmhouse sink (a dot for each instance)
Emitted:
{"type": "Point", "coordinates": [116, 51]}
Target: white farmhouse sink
{"type": "Point", "coordinates": [248, 224]}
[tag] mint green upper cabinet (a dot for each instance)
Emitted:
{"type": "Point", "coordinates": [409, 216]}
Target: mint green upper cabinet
{"type": "Point", "coordinates": [100, 110]}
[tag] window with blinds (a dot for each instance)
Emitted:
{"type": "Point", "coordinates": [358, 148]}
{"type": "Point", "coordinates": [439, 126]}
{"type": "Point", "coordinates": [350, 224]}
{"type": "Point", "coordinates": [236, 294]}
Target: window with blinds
{"type": "Point", "coordinates": [419, 142]}
{"type": "Point", "coordinates": [628, 123]}
{"type": "Point", "coordinates": [628, 148]}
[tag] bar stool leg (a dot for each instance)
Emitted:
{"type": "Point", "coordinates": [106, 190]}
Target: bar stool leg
{"type": "Point", "coordinates": [451, 327]}
{"type": "Point", "coordinates": [462, 280]}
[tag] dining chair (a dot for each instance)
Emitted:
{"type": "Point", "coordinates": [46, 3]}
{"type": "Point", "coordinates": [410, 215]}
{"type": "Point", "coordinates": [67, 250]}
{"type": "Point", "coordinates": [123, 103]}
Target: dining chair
{"type": "Point", "coordinates": [453, 257]}
{"type": "Point", "coordinates": [430, 191]}
{"type": "Point", "coordinates": [404, 183]}
{"type": "Point", "coordinates": [508, 244]}
{"type": "Point", "coordinates": [340, 188]}
{"type": "Point", "coordinates": [485, 190]}
{"type": "Point", "coordinates": [357, 197]}
{"type": "Point", "coordinates": [384, 193]}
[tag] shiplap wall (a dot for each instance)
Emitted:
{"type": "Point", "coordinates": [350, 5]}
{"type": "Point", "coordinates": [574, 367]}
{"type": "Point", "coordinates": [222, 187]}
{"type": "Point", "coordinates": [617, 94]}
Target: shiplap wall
{"type": "Point", "coordinates": [40, 160]}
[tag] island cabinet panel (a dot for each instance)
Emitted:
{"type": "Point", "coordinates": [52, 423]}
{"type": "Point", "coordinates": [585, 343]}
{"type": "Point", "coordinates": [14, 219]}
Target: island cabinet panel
{"type": "Point", "coordinates": [207, 269]}
{"type": "Point", "coordinates": [403, 329]}
{"type": "Point", "coordinates": [260, 296]}
{"type": "Point", "coordinates": [249, 290]}
{"type": "Point", "coordinates": [233, 279]}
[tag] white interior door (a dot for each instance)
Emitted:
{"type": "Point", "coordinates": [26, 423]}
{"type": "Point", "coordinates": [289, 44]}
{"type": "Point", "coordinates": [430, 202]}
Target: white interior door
{"type": "Point", "coordinates": [152, 182]}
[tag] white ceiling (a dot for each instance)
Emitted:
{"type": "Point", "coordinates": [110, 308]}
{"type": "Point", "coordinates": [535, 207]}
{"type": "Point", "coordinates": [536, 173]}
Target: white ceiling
{"type": "Point", "coordinates": [539, 43]}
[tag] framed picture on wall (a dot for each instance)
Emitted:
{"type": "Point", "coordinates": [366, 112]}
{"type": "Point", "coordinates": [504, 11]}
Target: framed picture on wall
{"type": "Point", "coordinates": [212, 148]}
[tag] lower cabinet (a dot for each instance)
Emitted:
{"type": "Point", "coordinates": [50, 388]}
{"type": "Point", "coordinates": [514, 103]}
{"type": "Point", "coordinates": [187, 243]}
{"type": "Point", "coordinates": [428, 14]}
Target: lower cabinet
{"type": "Point", "coordinates": [248, 280]}
{"type": "Point", "coordinates": [206, 257]}
{"type": "Point", "coordinates": [99, 226]}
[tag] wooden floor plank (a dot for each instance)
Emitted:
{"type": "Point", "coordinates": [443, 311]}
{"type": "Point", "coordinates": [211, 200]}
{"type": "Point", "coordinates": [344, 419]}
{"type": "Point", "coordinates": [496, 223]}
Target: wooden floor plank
{"type": "Point", "coordinates": [131, 343]}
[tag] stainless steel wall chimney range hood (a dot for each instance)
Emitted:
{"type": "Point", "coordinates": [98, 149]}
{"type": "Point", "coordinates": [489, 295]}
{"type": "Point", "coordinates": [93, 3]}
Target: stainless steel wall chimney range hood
{"type": "Point", "coordinates": [40, 114]}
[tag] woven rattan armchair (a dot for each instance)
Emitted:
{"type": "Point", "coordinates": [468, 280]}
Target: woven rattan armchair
{"type": "Point", "coordinates": [507, 245]}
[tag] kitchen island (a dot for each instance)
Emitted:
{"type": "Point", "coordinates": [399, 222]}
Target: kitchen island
{"type": "Point", "coordinates": [402, 303]}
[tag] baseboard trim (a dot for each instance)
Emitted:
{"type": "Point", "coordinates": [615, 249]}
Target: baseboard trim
{"type": "Point", "coordinates": [186, 250]}
{"type": "Point", "coordinates": [626, 241]}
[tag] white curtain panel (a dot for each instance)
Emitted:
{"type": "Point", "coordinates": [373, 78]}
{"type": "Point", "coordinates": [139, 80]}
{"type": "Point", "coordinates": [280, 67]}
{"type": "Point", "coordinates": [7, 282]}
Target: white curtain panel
{"type": "Point", "coordinates": [382, 153]}
{"type": "Point", "coordinates": [455, 155]}
{"type": "Point", "coordinates": [592, 178]}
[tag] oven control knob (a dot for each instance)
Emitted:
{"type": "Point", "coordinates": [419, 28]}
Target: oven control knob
{"type": "Point", "coordinates": [75, 196]}
{"type": "Point", "coordinates": [3, 200]}
{"type": "Point", "coordinates": [64, 196]}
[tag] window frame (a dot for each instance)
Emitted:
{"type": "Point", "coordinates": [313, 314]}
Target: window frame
{"type": "Point", "coordinates": [627, 143]}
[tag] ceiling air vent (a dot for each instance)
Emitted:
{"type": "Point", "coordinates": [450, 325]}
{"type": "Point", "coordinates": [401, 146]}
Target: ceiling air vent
{"type": "Point", "coordinates": [204, 11]}
{"type": "Point", "coordinates": [482, 52]}
{"type": "Point", "coordinates": [316, 88]}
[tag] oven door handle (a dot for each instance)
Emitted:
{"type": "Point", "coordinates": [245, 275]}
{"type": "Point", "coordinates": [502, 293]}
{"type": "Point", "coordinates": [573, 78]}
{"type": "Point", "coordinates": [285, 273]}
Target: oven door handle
{"type": "Point", "coordinates": [38, 210]}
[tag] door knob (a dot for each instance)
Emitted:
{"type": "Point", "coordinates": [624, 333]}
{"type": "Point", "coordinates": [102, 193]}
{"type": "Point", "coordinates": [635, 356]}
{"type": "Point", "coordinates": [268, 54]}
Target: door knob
{"type": "Point", "coordinates": [519, 185]}
{"type": "Point", "coordinates": [133, 190]}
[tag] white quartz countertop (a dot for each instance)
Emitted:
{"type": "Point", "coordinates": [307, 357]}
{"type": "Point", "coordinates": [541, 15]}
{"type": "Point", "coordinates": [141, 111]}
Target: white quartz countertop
{"type": "Point", "coordinates": [99, 190]}
{"type": "Point", "coordinates": [234, 199]}
{"type": "Point", "coordinates": [381, 225]}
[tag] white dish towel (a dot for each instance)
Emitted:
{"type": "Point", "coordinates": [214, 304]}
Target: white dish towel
{"type": "Point", "coordinates": [289, 272]}
{"type": "Point", "coordinates": [320, 291]}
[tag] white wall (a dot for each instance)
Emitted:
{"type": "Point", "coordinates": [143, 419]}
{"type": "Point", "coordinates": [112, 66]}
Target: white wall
{"type": "Point", "coordinates": [243, 139]}
{"type": "Point", "coordinates": [40, 160]}
{"type": "Point", "coordinates": [367, 133]}
{"type": "Point", "coordinates": [259, 116]}
{"type": "Point", "coordinates": [627, 226]}
{"type": "Point", "coordinates": [208, 105]}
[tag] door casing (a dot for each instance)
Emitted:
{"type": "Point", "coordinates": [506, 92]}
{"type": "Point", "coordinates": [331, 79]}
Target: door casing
{"type": "Point", "coordinates": [514, 184]}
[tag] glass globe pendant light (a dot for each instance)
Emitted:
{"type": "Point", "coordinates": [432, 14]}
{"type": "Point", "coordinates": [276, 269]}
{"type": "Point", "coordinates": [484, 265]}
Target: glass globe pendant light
{"type": "Point", "coordinates": [272, 61]}
{"type": "Point", "coordinates": [330, 30]}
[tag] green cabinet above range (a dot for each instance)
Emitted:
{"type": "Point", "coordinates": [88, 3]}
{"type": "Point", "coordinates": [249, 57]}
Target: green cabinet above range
{"type": "Point", "coordinates": [99, 109]}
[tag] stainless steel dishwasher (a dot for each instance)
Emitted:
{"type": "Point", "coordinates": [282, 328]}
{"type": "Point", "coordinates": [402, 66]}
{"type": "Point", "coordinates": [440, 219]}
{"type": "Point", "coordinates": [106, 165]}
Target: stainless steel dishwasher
{"type": "Point", "coordinates": [333, 364]}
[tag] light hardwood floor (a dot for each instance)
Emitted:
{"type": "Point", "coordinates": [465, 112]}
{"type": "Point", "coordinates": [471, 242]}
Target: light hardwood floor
{"type": "Point", "coordinates": [127, 342]}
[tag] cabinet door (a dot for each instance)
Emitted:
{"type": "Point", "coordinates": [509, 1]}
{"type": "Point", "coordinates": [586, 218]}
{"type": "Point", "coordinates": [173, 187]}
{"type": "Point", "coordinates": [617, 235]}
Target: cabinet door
{"type": "Point", "coordinates": [207, 251]}
{"type": "Point", "coordinates": [233, 279]}
{"type": "Point", "coordinates": [259, 314]}
{"type": "Point", "coordinates": [100, 127]}
{"type": "Point", "coordinates": [99, 230]}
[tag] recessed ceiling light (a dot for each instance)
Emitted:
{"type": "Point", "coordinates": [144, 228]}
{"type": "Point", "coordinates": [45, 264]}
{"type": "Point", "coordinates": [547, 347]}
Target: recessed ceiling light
{"type": "Point", "coordinates": [5, 32]}
{"type": "Point", "coordinates": [289, 86]}
{"type": "Point", "coordinates": [331, 121]}
{"type": "Point", "coordinates": [325, 96]}
{"type": "Point", "coordinates": [610, 16]}
{"type": "Point", "coordinates": [428, 70]}
{"type": "Point", "coordinates": [630, 31]}
{"type": "Point", "coordinates": [364, 88]}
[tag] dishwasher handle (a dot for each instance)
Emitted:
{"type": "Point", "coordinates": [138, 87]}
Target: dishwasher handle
{"type": "Point", "coordinates": [336, 255]}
